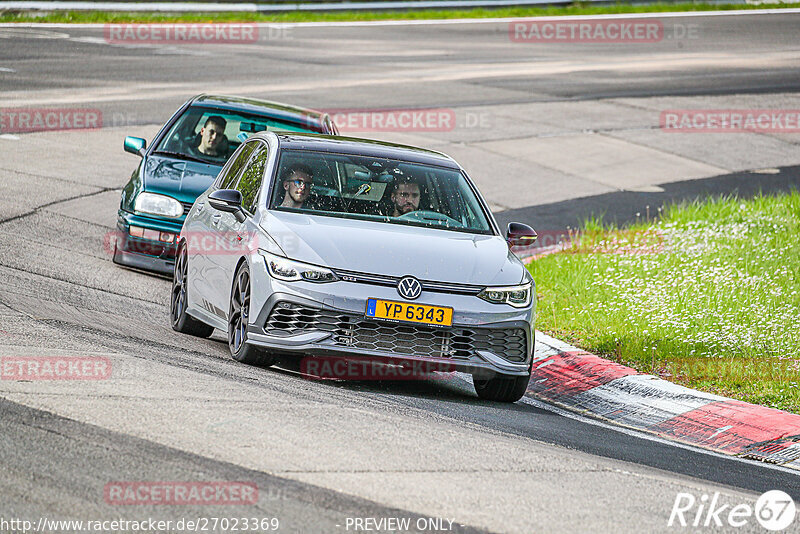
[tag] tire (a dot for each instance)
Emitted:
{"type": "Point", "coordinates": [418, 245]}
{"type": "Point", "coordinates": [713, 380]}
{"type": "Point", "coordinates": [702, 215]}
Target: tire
{"type": "Point", "coordinates": [181, 321]}
{"type": "Point", "coordinates": [501, 388]}
{"type": "Point", "coordinates": [238, 314]}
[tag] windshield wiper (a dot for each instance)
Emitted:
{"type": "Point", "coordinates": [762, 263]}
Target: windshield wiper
{"type": "Point", "coordinates": [184, 156]}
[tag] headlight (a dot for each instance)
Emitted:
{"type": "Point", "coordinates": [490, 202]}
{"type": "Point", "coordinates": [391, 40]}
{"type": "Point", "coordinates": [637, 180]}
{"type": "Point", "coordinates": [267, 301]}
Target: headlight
{"type": "Point", "coordinates": [154, 204]}
{"type": "Point", "coordinates": [292, 271]}
{"type": "Point", "coordinates": [517, 296]}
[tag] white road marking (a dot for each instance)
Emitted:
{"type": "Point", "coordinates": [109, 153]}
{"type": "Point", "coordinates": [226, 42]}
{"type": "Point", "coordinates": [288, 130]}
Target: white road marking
{"type": "Point", "coordinates": [163, 7]}
{"type": "Point", "coordinates": [719, 431]}
{"type": "Point", "coordinates": [646, 189]}
{"type": "Point", "coordinates": [90, 40]}
{"type": "Point", "coordinates": [13, 30]}
{"type": "Point", "coordinates": [435, 22]}
{"type": "Point", "coordinates": [650, 63]}
{"type": "Point", "coordinates": [527, 19]}
{"type": "Point", "coordinates": [6, 69]}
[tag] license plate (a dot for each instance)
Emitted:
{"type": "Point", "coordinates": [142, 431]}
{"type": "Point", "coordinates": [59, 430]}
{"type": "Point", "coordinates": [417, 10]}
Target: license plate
{"type": "Point", "coordinates": [410, 313]}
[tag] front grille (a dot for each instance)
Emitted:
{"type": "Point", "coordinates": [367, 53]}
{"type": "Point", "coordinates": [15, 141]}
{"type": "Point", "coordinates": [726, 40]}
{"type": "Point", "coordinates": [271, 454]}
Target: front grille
{"type": "Point", "coordinates": [354, 331]}
{"type": "Point", "coordinates": [186, 207]}
{"type": "Point", "coordinates": [392, 281]}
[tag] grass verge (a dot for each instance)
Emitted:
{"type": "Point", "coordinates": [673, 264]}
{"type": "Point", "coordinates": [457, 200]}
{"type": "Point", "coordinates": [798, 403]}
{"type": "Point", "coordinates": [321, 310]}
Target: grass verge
{"type": "Point", "coordinates": [307, 16]}
{"type": "Point", "coordinates": [707, 296]}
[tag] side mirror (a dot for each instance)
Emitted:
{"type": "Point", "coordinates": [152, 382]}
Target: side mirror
{"type": "Point", "coordinates": [229, 201]}
{"type": "Point", "coordinates": [520, 235]}
{"type": "Point", "coordinates": [135, 145]}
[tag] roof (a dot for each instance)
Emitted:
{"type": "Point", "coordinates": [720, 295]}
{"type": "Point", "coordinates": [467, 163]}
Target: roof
{"type": "Point", "coordinates": [260, 107]}
{"type": "Point", "coordinates": [363, 147]}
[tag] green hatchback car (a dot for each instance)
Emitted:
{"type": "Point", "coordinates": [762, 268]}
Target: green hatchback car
{"type": "Point", "coordinates": [183, 161]}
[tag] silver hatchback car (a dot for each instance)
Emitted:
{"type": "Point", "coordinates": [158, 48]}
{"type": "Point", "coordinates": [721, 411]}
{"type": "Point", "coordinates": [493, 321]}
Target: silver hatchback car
{"type": "Point", "coordinates": [336, 248]}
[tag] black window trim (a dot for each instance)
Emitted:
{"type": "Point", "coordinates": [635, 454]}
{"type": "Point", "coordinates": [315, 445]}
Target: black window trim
{"type": "Point", "coordinates": [229, 164]}
{"type": "Point", "coordinates": [256, 151]}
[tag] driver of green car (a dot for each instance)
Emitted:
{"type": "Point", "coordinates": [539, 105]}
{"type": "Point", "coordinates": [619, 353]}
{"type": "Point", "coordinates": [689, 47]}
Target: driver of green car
{"type": "Point", "coordinates": [212, 140]}
{"type": "Point", "coordinates": [405, 196]}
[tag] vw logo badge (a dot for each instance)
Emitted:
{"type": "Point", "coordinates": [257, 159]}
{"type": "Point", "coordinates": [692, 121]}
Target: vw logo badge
{"type": "Point", "coordinates": [409, 288]}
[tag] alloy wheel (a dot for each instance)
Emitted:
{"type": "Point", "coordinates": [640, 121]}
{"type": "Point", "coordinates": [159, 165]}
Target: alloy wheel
{"type": "Point", "coordinates": [178, 300]}
{"type": "Point", "coordinates": [240, 309]}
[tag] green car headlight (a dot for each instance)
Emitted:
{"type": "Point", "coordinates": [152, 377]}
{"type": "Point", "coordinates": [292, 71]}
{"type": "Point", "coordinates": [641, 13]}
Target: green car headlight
{"type": "Point", "coordinates": [517, 296]}
{"type": "Point", "coordinates": [154, 204]}
{"type": "Point", "coordinates": [292, 271]}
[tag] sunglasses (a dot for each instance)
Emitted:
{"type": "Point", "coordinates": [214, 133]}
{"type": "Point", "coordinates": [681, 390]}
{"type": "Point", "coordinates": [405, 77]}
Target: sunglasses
{"type": "Point", "coordinates": [301, 183]}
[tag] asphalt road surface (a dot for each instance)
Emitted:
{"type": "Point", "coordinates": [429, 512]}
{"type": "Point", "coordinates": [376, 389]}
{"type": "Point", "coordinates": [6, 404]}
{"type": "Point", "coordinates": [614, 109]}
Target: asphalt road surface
{"type": "Point", "coordinates": [546, 130]}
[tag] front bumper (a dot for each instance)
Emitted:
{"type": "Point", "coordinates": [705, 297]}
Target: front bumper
{"type": "Point", "coordinates": [140, 252]}
{"type": "Point", "coordinates": [298, 318]}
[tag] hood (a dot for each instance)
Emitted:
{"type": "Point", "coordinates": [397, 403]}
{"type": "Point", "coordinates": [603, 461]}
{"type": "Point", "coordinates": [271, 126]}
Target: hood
{"type": "Point", "coordinates": [180, 179]}
{"type": "Point", "coordinates": [395, 249]}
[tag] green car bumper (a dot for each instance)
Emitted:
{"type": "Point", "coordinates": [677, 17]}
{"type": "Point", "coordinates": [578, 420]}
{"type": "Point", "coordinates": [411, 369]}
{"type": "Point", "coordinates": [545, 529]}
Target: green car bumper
{"type": "Point", "coordinates": [145, 242]}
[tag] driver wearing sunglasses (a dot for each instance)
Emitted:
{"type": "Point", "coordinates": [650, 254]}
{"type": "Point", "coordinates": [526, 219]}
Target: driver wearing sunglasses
{"type": "Point", "coordinates": [297, 182]}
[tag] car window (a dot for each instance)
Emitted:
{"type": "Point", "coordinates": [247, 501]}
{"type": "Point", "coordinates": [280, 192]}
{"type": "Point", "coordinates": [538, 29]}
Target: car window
{"type": "Point", "coordinates": [252, 177]}
{"type": "Point", "coordinates": [379, 189]}
{"type": "Point", "coordinates": [185, 139]}
{"type": "Point", "coordinates": [232, 173]}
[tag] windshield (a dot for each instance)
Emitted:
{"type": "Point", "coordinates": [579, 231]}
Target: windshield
{"type": "Point", "coordinates": [211, 135]}
{"type": "Point", "coordinates": [376, 189]}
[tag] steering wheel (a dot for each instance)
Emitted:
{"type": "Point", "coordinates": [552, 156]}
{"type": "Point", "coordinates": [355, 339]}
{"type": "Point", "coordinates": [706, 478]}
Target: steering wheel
{"type": "Point", "coordinates": [431, 216]}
